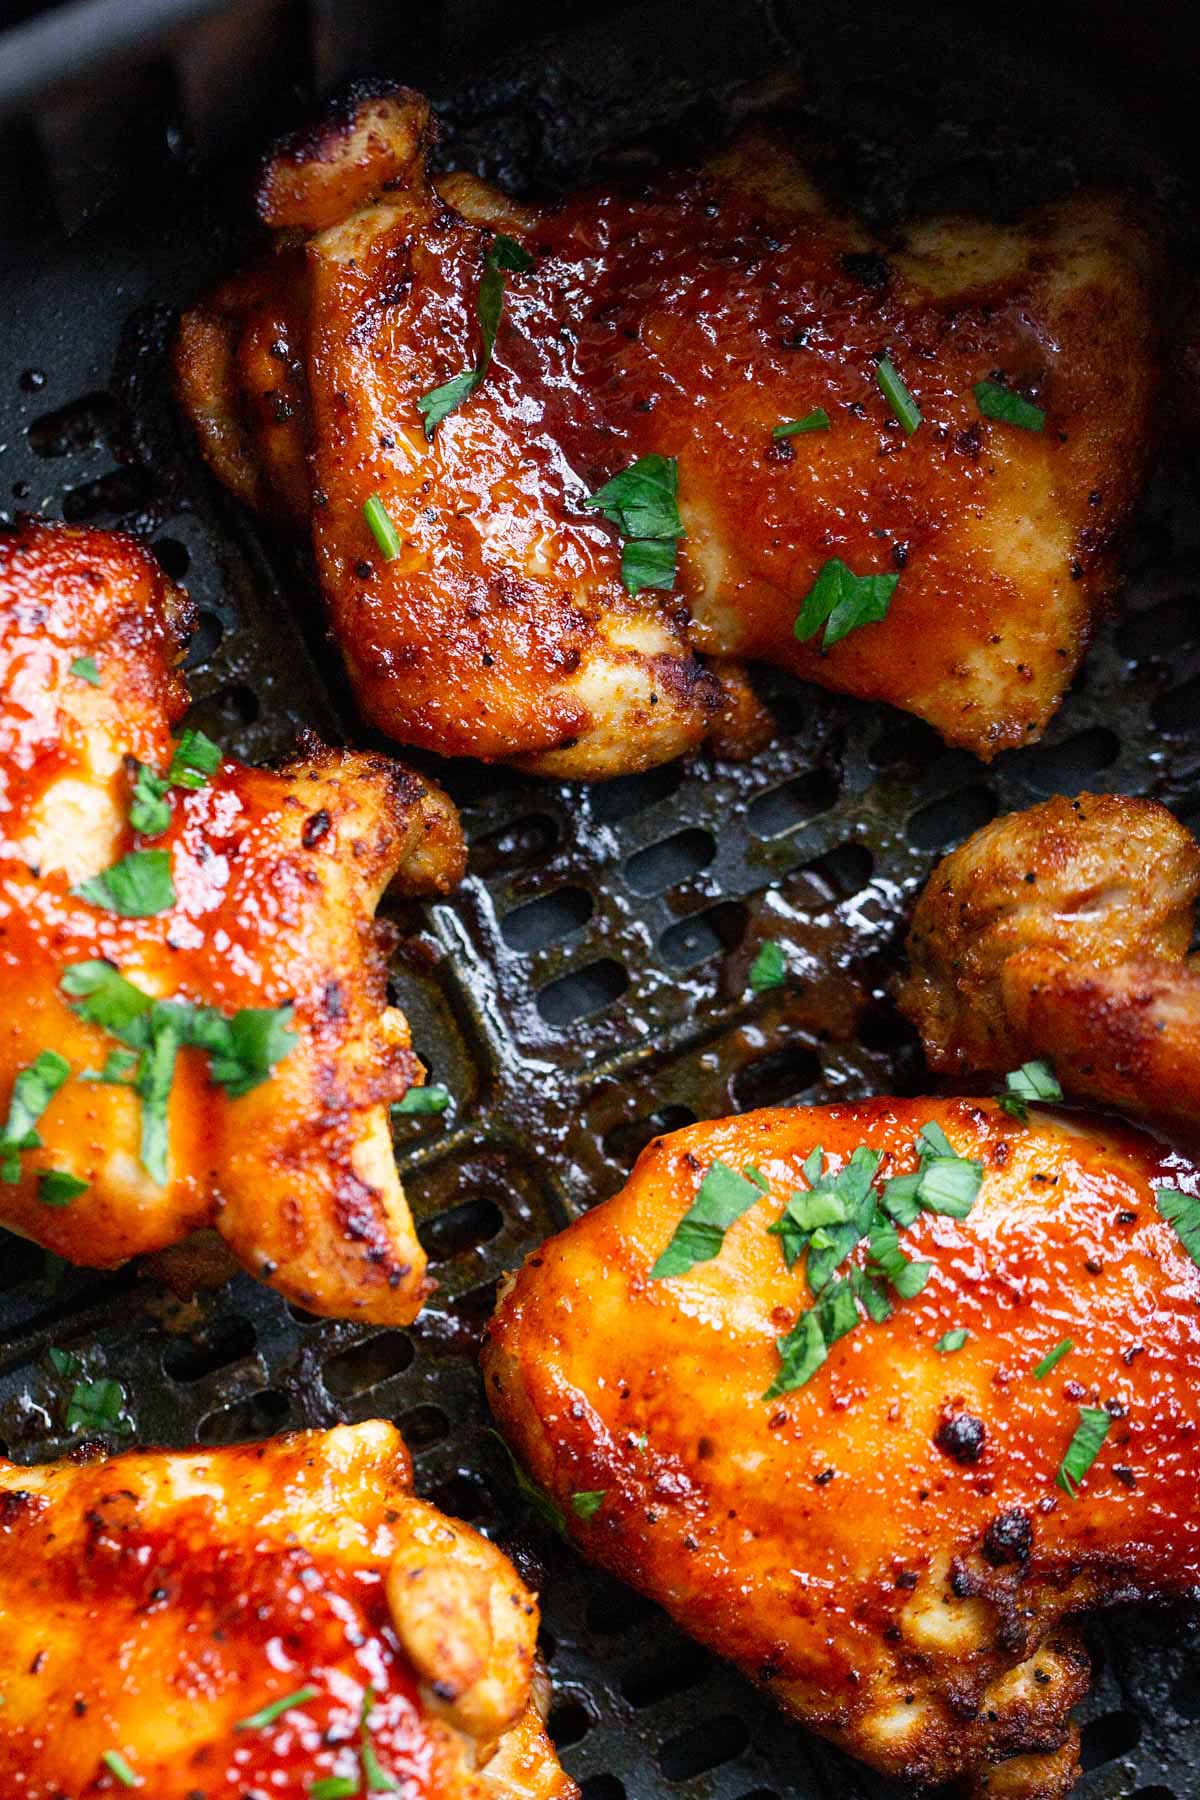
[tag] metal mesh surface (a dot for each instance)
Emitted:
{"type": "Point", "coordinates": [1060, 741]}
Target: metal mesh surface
{"type": "Point", "coordinates": [588, 987]}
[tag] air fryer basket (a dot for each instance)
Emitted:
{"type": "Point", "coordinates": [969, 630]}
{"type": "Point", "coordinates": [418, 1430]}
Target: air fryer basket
{"type": "Point", "coordinates": [588, 986]}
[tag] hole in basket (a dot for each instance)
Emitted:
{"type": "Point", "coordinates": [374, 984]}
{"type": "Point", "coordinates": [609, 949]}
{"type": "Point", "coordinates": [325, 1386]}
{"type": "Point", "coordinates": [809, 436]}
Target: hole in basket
{"type": "Point", "coordinates": [791, 804]}
{"type": "Point", "coordinates": [1185, 1696]}
{"type": "Point", "coordinates": [569, 1721]}
{"type": "Point", "coordinates": [1157, 1792]}
{"type": "Point", "coordinates": [629, 794]}
{"type": "Point", "coordinates": [761, 1794]}
{"type": "Point", "coordinates": [205, 640]}
{"type": "Point", "coordinates": [84, 424]}
{"type": "Point", "coordinates": [258, 1416]}
{"type": "Point", "coordinates": [20, 1261]}
{"type": "Point", "coordinates": [582, 992]}
{"type": "Point", "coordinates": [711, 933]}
{"type": "Point", "coordinates": [175, 558]}
{"type": "Point", "coordinates": [457, 1329]}
{"type": "Point", "coordinates": [1103, 1740]}
{"type": "Point", "coordinates": [514, 846]}
{"type": "Point", "coordinates": [118, 492]}
{"type": "Point", "coordinates": [1064, 768]}
{"type": "Point", "coordinates": [548, 920]}
{"type": "Point", "coordinates": [230, 707]}
{"type": "Point", "coordinates": [1177, 711]}
{"type": "Point", "coordinates": [1164, 628]}
{"type": "Point", "coordinates": [777, 1079]}
{"type": "Point", "coordinates": [948, 820]}
{"type": "Point", "coordinates": [363, 1367]}
{"type": "Point", "coordinates": [465, 1227]}
{"type": "Point", "coordinates": [464, 1496]}
{"type": "Point", "coordinates": [223, 1342]}
{"type": "Point", "coordinates": [601, 1787]}
{"type": "Point", "coordinates": [626, 1141]}
{"type": "Point", "coordinates": [705, 1746]}
{"type": "Point", "coordinates": [665, 864]}
{"type": "Point", "coordinates": [844, 870]}
{"type": "Point", "coordinates": [911, 748]}
{"type": "Point", "coordinates": [617, 1609]}
{"type": "Point", "coordinates": [423, 1426]}
{"type": "Point", "coordinates": [665, 1675]}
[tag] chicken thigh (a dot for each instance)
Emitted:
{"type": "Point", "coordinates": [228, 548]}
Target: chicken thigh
{"type": "Point", "coordinates": [894, 469]}
{"type": "Point", "coordinates": [880, 1475]}
{"type": "Point", "coordinates": [1061, 932]}
{"type": "Point", "coordinates": [282, 1618]}
{"type": "Point", "coordinates": [196, 1028]}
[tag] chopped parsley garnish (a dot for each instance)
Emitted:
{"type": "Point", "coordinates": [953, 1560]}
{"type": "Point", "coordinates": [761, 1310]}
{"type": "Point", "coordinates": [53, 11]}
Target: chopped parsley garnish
{"type": "Point", "coordinates": [587, 1504]}
{"type": "Point", "coordinates": [995, 401]}
{"type": "Point", "coordinates": [268, 1714]}
{"type": "Point", "coordinates": [944, 1182]}
{"type": "Point", "coordinates": [116, 1765]}
{"type": "Point", "coordinates": [1084, 1448]}
{"type": "Point", "coordinates": [379, 521]}
{"type": "Point", "coordinates": [58, 1187]}
{"type": "Point", "coordinates": [139, 886]}
{"type": "Point", "coordinates": [503, 254]}
{"type": "Point", "coordinates": [1032, 1081]}
{"type": "Point", "coordinates": [64, 1362]}
{"type": "Point", "coordinates": [723, 1197]}
{"type": "Point", "coordinates": [1182, 1213]}
{"type": "Point", "coordinates": [756, 1176]}
{"type": "Point", "coordinates": [841, 601]}
{"type": "Point", "coordinates": [769, 968]}
{"type": "Point", "coordinates": [432, 1099]}
{"type": "Point", "coordinates": [242, 1049]}
{"type": "Point", "coordinates": [97, 1406]}
{"type": "Point", "coordinates": [118, 1071]}
{"type": "Point", "coordinates": [641, 502]}
{"type": "Point", "coordinates": [33, 1090]}
{"type": "Point", "coordinates": [333, 1787]}
{"type": "Point", "coordinates": [1052, 1358]}
{"type": "Point", "coordinates": [195, 760]}
{"type": "Point", "coordinates": [897, 396]}
{"type": "Point", "coordinates": [801, 1354]}
{"type": "Point", "coordinates": [840, 1206]}
{"type": "Point", "coordinates": [953, 1340]}
{"type": "Point", "coordinates": [816, 420]}
{"type": "Point", "coordinates": [886, 1259]}
{"type": "Point", "coordinates": [85, 668]}
{"type": "Point", "coordinates": [149, 808]}
{"type": "Point", "coordinates": [536, 1498]}
{"type": "Point", "coordinates": [376, 1780]}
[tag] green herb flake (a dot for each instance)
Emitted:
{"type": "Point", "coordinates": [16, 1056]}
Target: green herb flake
{"type": "Point", "coordinates": [97, 1406]}
{"type": "Point", "coordinates": [953, 1340]}
{"type": "Point", "coordinates": [33, 1090]}
{"type": "Point", "coordinates": [995, 401]}
{"type": "Point", "coordinates": [722, 1198]}
{"type": "Point", "coordinates": [379, 523]}
{"type": "Point", "coordinates": [57, 1187]}
{"type": "Point", "coordinates": [333, 1787]}
{"type": "Point", "coordinates": [648, 563]}
{"type": "Point", "coordinates": [1052, 1358]}
{"type": "Point", "coordinates": [376, 1780]}
{"type": "Point", "coordinates": [85, 668]}
{"type": "Point", "coordinates": [116, 1765]}
{"type": "Point", "coordinates": [120, 1067]}
{"type": "Point", "coordinates": [149, 808]}
{"type": "Point", "coordinates": [949, 1185]}
{"type": "Point", "coordinates": [267, 1715]}
{"type": "Point", "coordinates": [1090, 1433]}
{"type": "Point", "coordinates": [842, 601]}
{"type": "Point", "coordinates": [769, 968]}
{"type": "Point", "coordinates": [816, 420]}
{"type": "Point", "coordinates": [1032, 1081]}
{"type": "Point", "coordinates": [641, 501]}
{"type": "Point", "coordinates": [536, 1498]}
{"type": "Point", "coordinates": [245, 1048]}
{"type": "Point", "coordinates": [756, 1176]}
{"type": "Point", "coordinates": [801, 1354]}
{"type": "Point", "coordinates": [886, 1259]}
{"type": "Point", "coordinates": [504, 254]}
{"type": "Point", "coordinates": [64, 1362]}
{"type": "Point", "coordinates": [432, 1099]}
{"type": "Point", "coordinates": [897, 396]}
{"type": "Point", "coordinates": [196, 758]}
{"type": "Point", "coordinates": [139, 886]}
{"type": "Point", "coordinates": [587, 1504]}
{"type": "Point", "coordinates": [1182, 1213]}
{"type": "Point", "coordinates": [104, 997]}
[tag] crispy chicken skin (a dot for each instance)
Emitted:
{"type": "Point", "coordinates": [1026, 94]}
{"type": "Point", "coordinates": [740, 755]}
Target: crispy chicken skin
{"type": "Point", "coordinates": [276, 877]}
{"type": "Point", "coordinates": [1061, 932]}
{"type": "Point", "coordinates": [150, 1602]}
{"type": "Point", "coordinates": [684, 320]}
{"type": "Point", "coordinates": [884, 1549]}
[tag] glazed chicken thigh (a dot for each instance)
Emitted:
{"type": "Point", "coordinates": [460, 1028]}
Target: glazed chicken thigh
{"type": "Point", "coordinates": [758, 359]}
{"type": "Point", "coordinates": [879, 1475]}
{"type": "Point", "coordinates": [1061, 932]}
{"type": "Point", "coordinates": [196, 1027]}
{"type": "Point", "coordinates": [264, 1619]}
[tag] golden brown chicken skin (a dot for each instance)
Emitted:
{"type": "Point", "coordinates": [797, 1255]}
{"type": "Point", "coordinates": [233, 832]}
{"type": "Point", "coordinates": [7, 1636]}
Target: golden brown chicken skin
{"type": "Point", "coordinates": [271, 881]}
{"type": "Point", "coordinates": [884, 1548]}
{"type": "Point", "coordinates": [1061, 932]}
{"type": "Point", "coordinates": [158, 1610]}
{"type": "Point", "coordinates": [685, 320]}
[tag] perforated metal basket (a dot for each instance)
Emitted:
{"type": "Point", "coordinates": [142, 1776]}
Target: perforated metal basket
{"type": "Point", "coordinates": [588, 987]}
